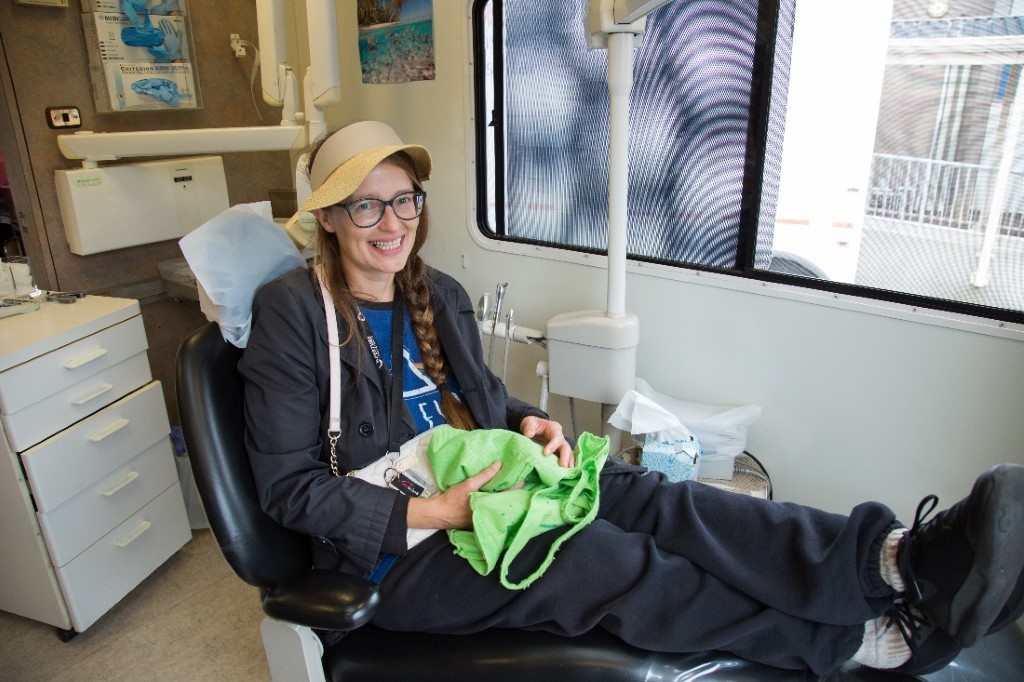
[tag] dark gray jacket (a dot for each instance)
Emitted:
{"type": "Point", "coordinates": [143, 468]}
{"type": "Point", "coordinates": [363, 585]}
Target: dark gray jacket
{"type": "Point", "coordinates": [285, 366]}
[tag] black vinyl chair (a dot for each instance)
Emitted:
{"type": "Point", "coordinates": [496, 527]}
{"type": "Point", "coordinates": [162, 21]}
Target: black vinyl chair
{"type": "Point", "coordinates": [296, 598]}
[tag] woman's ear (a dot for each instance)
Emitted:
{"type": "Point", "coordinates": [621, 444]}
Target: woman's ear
{"type": "Point", "coordinates": [323, 216]}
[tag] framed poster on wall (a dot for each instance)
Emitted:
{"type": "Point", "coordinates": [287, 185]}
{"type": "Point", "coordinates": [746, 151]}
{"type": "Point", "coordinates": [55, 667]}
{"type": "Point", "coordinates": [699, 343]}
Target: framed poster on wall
{"type": "Point", "coordinates": [396, 40]}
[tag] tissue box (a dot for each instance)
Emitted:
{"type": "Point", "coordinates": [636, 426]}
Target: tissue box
{"type": "Point", "coordinates": [722, 429]}
{"type": "Point", "coordinates": [677, 459]}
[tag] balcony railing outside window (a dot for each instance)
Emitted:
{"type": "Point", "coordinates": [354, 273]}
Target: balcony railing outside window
{"type": "Point", "coordinates": [942, 193]}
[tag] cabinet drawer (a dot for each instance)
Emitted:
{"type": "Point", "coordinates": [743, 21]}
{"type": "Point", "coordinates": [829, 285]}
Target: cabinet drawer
{"type": "Point", "coordinates": [62, 466]}
{"type": "Point", "coordinates": [100, 576]}
{"type": "Point", "coordinates": [32, 424]}
{"type": "Point", "coordinates": [75, 525]}
{"type": "Point", "coordinates": [47, 374]}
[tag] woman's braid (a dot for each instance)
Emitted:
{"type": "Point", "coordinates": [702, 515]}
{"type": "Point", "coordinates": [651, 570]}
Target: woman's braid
{"type": "Point", "coordinates": [413, 282]}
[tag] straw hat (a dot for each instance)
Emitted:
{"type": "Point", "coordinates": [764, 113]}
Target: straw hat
{"type": "Point", "coordinates": [346, 157]}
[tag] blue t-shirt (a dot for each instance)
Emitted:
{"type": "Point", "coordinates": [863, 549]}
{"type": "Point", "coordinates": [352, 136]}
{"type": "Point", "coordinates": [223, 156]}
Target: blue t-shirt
{"type": "Point", "coordinates": [420, 392]}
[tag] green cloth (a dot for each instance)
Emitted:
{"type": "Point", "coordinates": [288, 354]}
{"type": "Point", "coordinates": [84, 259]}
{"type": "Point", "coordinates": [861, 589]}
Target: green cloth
{"type": "Point", "coordinates": [505, 520]}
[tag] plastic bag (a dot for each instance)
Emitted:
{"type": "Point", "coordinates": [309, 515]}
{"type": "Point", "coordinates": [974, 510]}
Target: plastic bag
{"type": "Point", "coordinates": [721, 429]}
{"type": "Point", "coordinates": [407, 471]}
{"type": "Point", "coordinates": [232, 255]}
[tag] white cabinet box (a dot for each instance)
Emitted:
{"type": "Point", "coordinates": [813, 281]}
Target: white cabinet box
{"type": "Point", "coordinates": [89, 497]}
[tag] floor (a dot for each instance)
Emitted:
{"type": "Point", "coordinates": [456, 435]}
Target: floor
{"type": "Point", "coordinates": [192, 619]}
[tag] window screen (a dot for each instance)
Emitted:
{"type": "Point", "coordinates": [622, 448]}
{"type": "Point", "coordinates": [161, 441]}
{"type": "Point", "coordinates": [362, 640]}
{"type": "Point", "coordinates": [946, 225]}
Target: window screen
{"type": "Point", "coordinates": [690, 114]}
{"type": "Point", "coordinates": [874, 152]}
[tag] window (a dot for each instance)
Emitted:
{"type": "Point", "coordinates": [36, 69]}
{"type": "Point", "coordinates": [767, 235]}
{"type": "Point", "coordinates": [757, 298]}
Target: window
{"type": "Point", "coordinates": [874, 152]}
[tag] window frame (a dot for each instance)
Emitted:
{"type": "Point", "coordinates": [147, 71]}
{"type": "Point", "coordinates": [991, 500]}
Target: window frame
{"type": "Point", "coordinates": [968, 316]}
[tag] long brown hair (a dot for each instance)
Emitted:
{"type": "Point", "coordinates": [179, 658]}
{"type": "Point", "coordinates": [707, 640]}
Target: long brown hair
{"type": "Point", "coordinates": [412, 281]}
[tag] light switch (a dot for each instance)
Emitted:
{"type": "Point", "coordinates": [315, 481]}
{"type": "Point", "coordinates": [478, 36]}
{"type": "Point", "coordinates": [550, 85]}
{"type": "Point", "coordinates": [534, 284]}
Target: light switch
{"type": "Point", "coordinates": [63, 117]}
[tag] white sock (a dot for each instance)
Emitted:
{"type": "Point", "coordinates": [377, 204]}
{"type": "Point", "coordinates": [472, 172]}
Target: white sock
{"type": "Point", "coordinates": [883, 647]}
{"type": "Point", "coordinates": [887, 560]}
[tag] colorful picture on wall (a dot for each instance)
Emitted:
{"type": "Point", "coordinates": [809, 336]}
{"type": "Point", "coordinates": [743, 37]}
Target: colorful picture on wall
{"type": "Point", "coordinates": [396, 40]}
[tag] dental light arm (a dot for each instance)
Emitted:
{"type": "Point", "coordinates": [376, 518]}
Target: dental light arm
{"type": "Point", "coordinates": [271, 26]}
{"type": "Point", "coordinates": [325, 71]}
{"type": "Point", "coordinates": [277, 79]}
{"type": "Point", "coordinates": [618, 26]}
{"type": "Point", "coordinates": [579, 341]}
{"type": "Point", "coordinates": [290, 113]}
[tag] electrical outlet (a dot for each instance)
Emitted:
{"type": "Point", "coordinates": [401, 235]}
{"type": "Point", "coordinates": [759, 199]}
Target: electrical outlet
{"type": "Point", "coordinates": [63, 117]}
{"type": "Point", "coordinates": [237, 46]}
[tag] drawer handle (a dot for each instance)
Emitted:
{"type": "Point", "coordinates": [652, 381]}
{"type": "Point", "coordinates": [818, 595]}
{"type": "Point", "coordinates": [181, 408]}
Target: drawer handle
{"type": "Point", "coordinates": [85, 358]}
{"type": "Point", "coordinates": [119, 483]}
{"type": "Point", "coordinates": [108, 430]}
{"type": "Point", "coordinates": [133, 535]}
{"type": "Point", "coordinates": [93, 394]}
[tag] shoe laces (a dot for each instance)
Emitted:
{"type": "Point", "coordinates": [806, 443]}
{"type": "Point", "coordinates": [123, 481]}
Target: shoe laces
{"type": "Point", "coordinates": [912, 624]}
{"type": "Point", "coordinates": [924, 509]}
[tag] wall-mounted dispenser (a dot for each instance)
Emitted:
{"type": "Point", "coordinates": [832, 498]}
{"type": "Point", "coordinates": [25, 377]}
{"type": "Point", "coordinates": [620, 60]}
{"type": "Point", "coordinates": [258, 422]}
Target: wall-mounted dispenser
{"type": "Point", "coordinates": [140, 203]}
{"type": "Point", "coordinates": [592, 356]}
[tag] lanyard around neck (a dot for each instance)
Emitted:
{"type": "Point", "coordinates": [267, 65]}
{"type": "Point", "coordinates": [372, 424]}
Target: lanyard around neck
{"type": "Point", "coordinates": [397, 371]}
{"type": "Point", "coordinates": [394, 382]}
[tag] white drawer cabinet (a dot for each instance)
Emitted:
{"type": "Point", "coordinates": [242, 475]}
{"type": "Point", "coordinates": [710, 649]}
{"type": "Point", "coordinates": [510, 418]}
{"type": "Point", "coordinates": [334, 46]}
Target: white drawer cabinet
{"type": "Point", "coordinates": [30, 382]}
{"type": "Point", "coordinates": [28, 426]}
{"type": "Point", "coordinates": [89, 497]}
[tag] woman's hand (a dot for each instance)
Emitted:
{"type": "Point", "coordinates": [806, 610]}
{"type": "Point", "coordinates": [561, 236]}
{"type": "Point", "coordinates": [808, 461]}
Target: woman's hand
{"type": "Point", "coordinates": [549, 434]}
{"type": "Point", "coordinates": [450, 509]}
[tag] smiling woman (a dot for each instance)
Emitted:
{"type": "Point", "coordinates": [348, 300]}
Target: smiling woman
{"type": "Point", "coordinates": [323, 403]}
{"type": "Point", "coordinates": [373, 243]}
{"type": "Point", "coordinates": [368, 198]}
{"type": "Point", "coordinates": [366, 161]}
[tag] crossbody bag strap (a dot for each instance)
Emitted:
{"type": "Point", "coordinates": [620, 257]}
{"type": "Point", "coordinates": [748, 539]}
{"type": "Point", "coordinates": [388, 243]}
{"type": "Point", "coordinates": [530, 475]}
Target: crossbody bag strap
{"type": "Point", "coordinates": [334, 353]}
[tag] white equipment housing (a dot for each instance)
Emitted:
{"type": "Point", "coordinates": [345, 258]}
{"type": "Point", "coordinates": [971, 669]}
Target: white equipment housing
{"type": "Point", "coordinates": [140, 203]}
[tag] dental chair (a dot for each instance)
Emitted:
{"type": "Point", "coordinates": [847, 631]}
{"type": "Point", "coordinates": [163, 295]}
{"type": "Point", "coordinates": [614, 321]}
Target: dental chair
{"type": "Point", "coordinates": [296, 599]}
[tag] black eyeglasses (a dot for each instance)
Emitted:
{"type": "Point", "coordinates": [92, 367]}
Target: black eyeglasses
{"type": "Point", "coordinates": [369, 212]}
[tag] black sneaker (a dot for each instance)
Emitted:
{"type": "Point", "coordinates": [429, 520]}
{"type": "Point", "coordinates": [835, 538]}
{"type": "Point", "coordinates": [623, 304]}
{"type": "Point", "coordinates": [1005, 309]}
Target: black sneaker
{"type": "Point", "coordinates": [962, 567]}
{"type": "Point", "coordinates": [931, 648]}
{"type": "Point", "coordinates": [1013, 609]}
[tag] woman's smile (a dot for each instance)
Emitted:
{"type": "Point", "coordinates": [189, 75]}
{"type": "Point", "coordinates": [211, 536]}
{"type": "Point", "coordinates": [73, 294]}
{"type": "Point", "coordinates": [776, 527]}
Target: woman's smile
{"type": "Point", "coordinates": [390, 246]}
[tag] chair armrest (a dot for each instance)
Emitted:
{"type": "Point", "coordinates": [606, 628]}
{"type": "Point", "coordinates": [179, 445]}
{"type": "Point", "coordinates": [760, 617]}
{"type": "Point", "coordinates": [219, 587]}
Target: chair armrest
{"type": "Point", "coordinates": [322, 599]}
